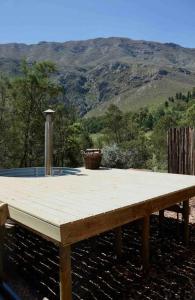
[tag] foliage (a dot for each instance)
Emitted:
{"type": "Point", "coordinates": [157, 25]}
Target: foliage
{"type": "Point", "coordinates": [133, 154]}
{"type": "Point", "coordinates": [114, 70]}
{"type": "Point", "coordinates": [22, 102]}
{"type": "Point", "coordinates": [159, 140]}
{"type": "Point", "coordinates": [129, 140]}
{"type": "Point", "coordinates": [114, 123]}
{"type": "Point", "coordinates": [189, 118]}
{"type": "Point", "coordinates": [113, 157]}
{"type": "Point", "coordinates": [5, 121]}
{"type": "Point", "coordinates": [137, 152]}
{"type": "Point", "coordinates": [140, 138]}
{"type": "Point", "coordinates": [30, 94]}
{"type": "Point", "coordinates": [94, 124]}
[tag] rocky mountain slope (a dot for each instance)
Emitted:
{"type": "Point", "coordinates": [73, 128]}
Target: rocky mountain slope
{"type": "Point", "coordinates": [101, 71]}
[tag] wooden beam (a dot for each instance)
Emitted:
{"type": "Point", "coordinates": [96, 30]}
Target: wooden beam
{"type": "Point", "coordinates": [118, 241]}
{"type": "Point", "coordinates": [146, 243]}
{"type": "Point", "coordinates": [65, 273]}
{"type": "Point", "coordinates": [175, 208]}
{"type": "Point", "coordinates": [82, 229]}
{"type": "Point", "coordinates": [4, 213]}
{"type": "Point", "coordinates": [41, 227]}
{"type": "Point", "coordinates": [186, 213]}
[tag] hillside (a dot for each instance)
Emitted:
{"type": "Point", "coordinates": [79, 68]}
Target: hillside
{"type": "Point", "coordinates": [101, 71]}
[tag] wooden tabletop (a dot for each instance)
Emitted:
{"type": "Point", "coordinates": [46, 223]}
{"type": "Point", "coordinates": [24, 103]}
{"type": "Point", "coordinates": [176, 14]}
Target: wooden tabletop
{"type": "Point", "coordinates": [86, 202]}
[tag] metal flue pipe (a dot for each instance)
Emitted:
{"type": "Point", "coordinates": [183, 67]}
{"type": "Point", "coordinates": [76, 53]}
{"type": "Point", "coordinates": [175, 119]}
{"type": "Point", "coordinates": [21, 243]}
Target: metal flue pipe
{"type": "Point", "coordinates": [48, 141]}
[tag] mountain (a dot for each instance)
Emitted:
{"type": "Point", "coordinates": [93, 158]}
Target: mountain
{"type": "Point", "coordinates": [101, 71]}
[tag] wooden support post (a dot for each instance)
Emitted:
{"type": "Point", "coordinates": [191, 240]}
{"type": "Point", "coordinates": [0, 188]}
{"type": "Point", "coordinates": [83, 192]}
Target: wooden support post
{"type": "Point", "coordinates": [186, 213]}
{"type": "Point", "coordinates": [161, 219]}
{"type": "Point", "coordinates": [1, 252]}
{"type": "Point", "coordinates": [178, 226]}
{"type": "Point", "coordinates": [3, 218]}
{"type": "Point", "coordinates": [146, 243]}
{"type": "Point", "coordinates": [65, 273]}
{"type": "Point", "coordinates": [4, 214]}
{"type": "Point", "coordinates": [48, 142]}
{"type": "Point", "coordinates": [118, 241]}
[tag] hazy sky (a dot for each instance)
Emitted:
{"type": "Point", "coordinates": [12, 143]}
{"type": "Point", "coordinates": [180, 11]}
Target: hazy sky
{"type": "Point", "coordinates": [31, 21]}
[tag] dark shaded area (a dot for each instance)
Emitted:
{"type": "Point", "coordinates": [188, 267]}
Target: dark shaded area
{"type": "Point", "coordinates": [32, 265]}
{"type": "Point", "coordinates": [6, 293]}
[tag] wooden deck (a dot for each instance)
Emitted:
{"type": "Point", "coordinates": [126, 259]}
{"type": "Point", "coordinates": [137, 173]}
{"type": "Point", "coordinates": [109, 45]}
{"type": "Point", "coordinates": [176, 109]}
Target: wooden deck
{"type": "Point", "coordinates": [70, 208]}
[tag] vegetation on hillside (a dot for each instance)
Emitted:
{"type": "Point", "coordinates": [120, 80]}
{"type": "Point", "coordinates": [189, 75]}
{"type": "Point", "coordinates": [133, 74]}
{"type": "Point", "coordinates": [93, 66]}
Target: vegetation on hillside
{"type": "Point", "coordinates": [23, 99]}
{"type": "Point", "coordinates": [139, 139]}
{"type": "Point", "coordinates": [135, 139]}
{"type": "Point", "coordinates": [98, 72]}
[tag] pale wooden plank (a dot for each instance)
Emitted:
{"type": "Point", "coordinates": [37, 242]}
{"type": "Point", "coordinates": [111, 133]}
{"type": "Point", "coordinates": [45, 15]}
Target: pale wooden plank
{"type": "Point", "coordinates": [56, 199]}
{"type": "Point", "coordinates": [70, 208]}
{"type": "Point", "coordinates": [44, 228]}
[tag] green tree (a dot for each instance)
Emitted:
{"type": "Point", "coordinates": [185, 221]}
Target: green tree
{"type": "Point", "coordinates": [193, 92]}
{"type": "Point", "coordinates": [189, 95]}
{"type": "Point", "coordinates": [70, 137]}
{"type": "Point", "coordinates": [190, 116]}
{"type": "Point", "coordinates": [114, 124]}
{"type": "Point", "coordinates": [159, 139]}
{"type": "Point", "coordinates": [4, 120]}
{"type": "Point", "coordinates": [32, 92]}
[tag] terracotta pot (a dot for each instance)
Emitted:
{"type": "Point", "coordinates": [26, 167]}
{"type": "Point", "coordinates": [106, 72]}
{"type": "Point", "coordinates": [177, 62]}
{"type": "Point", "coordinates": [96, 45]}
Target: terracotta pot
{"type": "Point", "coordinates": [92, 158]}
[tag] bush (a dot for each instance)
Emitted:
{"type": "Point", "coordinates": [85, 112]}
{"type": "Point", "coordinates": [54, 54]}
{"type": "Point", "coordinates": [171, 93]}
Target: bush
{"type": "Point", "coordinates": [136, 153]}
{"type": "Point", "coordinates": [133, 154]}
{"type": "Point", "coordinates": [113, 157]}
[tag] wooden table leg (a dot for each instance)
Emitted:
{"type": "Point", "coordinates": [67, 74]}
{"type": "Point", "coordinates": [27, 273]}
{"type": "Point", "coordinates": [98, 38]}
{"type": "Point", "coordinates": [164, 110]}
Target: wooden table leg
{"type": "Point", "coordinates": [65, 273]}
{"type": "Point", "coordinates": [161, 219]}
{"type": "Point", "coordinates": [146, 243]}
{"type": "Point", "coordinates": [3, 217]}
{"type": "Point", "coordinates": [186, 213]}
{"type": "Point", "coordinates": [118, 241]}
{"type": "Point", "coordinates": [1, 252]}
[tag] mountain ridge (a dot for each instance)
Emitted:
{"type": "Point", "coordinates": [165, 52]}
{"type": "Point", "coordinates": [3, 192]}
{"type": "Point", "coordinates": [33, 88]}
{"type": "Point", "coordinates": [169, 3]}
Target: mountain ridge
{"type": "Point", "coordinates": [97, 39]}
{"type": "Point", "coordinates": [97, 72]}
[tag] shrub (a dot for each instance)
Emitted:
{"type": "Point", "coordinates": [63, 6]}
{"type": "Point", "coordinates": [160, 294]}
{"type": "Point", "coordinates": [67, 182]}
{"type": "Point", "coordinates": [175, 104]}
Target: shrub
{"type": "Point", "coordinates": [113, 157]}
{"type": "Point", "coordinates": [136, 153]}
{"type": "Point", "coordinates": [133, 154]}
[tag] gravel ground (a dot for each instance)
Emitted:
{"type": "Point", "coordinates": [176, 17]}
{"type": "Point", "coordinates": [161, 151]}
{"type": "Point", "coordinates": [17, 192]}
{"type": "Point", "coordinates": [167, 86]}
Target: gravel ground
{"type": "Point", "coordinates": [32, 265]}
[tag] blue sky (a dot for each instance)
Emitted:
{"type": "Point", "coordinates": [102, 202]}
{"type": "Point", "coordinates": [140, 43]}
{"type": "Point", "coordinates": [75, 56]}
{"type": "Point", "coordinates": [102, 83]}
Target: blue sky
{"type": "Point", "coordinates": [31, 21]}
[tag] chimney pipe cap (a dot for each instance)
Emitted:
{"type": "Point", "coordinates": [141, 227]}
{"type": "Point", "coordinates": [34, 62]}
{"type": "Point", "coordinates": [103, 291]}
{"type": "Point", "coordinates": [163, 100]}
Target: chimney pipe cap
{"type": "Point", "coordinates": [49, 111]}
